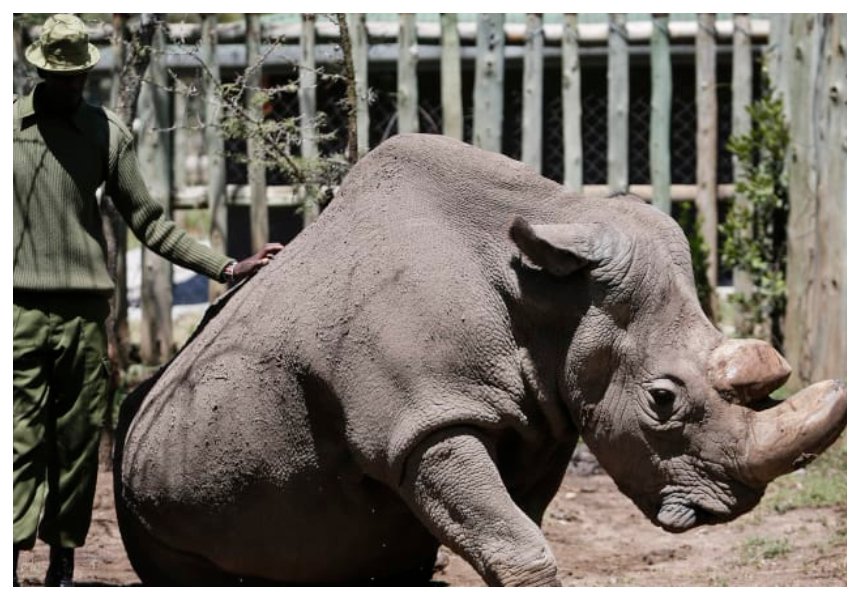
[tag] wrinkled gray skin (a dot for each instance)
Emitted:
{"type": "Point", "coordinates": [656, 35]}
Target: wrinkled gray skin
{"type": "Point", "coordinates": [440, 338]}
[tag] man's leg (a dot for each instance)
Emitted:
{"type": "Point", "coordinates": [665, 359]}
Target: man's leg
{"type": "Point", "coordinates": [30, 392]}
{"type": "Point", "coordinates": [77, 407]}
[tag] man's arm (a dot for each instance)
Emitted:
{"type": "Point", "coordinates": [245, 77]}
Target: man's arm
{"type": "Point", "coordinates": [149, 224]}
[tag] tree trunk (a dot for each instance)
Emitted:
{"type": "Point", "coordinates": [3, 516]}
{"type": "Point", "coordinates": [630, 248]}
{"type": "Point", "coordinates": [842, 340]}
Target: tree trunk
{"type": "Point", "coordinates": [156, 332]}
{"type": "Point", "coordinates": [217, 186]}
{"type": "Point", "coordinates": [129, 68]}
{"type": "Point", "coordinates": [127, 75]}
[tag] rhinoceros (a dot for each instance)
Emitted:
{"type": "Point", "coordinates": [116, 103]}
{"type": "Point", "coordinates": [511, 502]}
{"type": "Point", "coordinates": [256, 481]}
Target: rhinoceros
{"type": "Point", "coordinates": [415, 369]}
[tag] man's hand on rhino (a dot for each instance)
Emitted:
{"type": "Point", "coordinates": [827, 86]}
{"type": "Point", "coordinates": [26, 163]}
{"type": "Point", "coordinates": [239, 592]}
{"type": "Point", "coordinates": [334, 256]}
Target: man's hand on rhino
{"type": "Point", "coordinates": [245, 268]}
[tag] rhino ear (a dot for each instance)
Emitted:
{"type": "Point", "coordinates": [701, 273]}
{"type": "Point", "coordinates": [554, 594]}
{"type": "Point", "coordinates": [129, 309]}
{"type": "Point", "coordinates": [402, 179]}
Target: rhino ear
{"type": "Point", "coordinates": [558, 249]}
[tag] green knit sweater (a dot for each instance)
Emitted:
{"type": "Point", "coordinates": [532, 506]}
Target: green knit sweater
{"type": "Point", "coordinates": [59, 163]}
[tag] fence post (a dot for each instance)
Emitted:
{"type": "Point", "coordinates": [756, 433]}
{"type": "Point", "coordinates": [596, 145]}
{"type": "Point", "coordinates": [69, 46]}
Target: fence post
{"type": "Point", "coordinates": [308, 110]}
{"type": "Point", "coordinates": [256, 166]}
{"type": "Point", "coordinates": [533, 92]}
{"type": "Point", "coordinates": [452, 87]}
{"type": "Point", "coordinates": [217, 186]}
{"type": "Point", "coordinates": [706, 143]}
{"type": "Point", "coordinates": [779, 56]}
{"type": "Point", "coordinates": [156, 292]}
{"type": "Point", "coordinates": [489, 82]}
{"type": "Point", "coordinates": [741, 99]}
{"type": "Point", "coordinates": [407, 80]}
{"type": "Point", "coordinates": [618, 103]}
{"type": "Point", "coordinates": [815, 322]}
{"type": "Point", "coordinates": [830, 328]}
{"type": "Point", "coordinates": [661, 114]}
{"type": "Point", "coordinates": [358, 36]}
{"type": "Point", "coordinates": [571, 103]}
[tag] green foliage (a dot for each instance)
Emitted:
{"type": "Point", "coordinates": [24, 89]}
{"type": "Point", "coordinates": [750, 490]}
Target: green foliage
{"type": "Point", "coordinates": [692, 226]}
{"type": "Point", "coordinates": [755, 227]}
{"type": "Point", "coordinates": [758, 549]}
{"type": "Point", "coordinates": [279, 139]}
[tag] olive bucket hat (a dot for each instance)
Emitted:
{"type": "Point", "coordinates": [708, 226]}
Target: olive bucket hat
{"type": "Point", "coordinates": [63, 47]}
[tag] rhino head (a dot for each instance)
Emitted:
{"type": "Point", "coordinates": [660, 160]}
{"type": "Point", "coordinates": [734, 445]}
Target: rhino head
{"type": "Point", "coordinates": [678, 415]}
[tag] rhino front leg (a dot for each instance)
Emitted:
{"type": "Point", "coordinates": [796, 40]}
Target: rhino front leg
{"type": "Point", "coordinates": [454, 487]}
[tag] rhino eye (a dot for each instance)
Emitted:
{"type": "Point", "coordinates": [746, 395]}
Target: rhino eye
{"type": "Point", "coordinates": [663, 398]}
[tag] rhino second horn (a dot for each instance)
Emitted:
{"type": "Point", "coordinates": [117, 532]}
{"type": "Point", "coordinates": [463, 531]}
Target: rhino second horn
{"type": "Point", "coordinates": [788, 436]}
{"type": "Point", "coordinates": [747, 370]}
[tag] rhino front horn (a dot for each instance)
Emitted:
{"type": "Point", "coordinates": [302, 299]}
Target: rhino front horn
{"type": "Point", "coordinates": [788, 436]}
{"type": "Point", "coordinates": [747, 370]}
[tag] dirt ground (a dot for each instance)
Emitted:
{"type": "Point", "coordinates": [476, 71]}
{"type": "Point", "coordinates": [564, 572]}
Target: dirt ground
{"type": "Point", "coordinates": [599, 539]}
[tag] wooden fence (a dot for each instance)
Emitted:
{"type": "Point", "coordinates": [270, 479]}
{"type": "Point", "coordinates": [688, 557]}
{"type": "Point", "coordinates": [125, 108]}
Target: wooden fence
{"type": "Point", "coordinates": [489, 41]}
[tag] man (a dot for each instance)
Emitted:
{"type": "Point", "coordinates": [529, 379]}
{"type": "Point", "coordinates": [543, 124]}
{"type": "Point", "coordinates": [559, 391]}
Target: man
{"type": "Point", "coordinates": [63, 150]}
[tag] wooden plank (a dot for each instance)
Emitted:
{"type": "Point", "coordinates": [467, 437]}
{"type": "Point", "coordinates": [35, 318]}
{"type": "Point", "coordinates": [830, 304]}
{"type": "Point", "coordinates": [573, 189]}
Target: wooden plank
{"type": "Point", "coordinates": [489, 82]}
{"type": "Point", "coordinates": [254, 106]}
{"type": "Point", "coordinates": [532, 141]}
{"type": "Point", "coordinates": [358, 34]}
{"type": "Point", "coordinates": [214, 144]}
{"type": "Point", "coordinates": [452, 87]}
{"type": "Point", "coordinates": [308, 107]}
{"type": "Point", "coordinates": [801, 57]}
{"type": "Point", "coordinates": [618, 104]}
{"type": "Point", "coordinates": [706, 144]}
{"type": "Point", "coordinates": [407, 78]}
{"type": "Point", "coordinates": [779, 56]}
{"type": "Point", "coordinates": [153, 147]}
{"type": "Point", "coordinates": [742, 76]}
{"type": "Point", "coordinates": [815, 322]}
{"type": "Point", "coordinates": [830, 302]}
{"type": "Point", "coordinates": [660, 154]}
{"type": "Point", "coordinates": [571, 104]}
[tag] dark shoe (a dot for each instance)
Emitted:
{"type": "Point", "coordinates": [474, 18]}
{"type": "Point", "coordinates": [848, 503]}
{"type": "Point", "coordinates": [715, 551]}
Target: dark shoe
{"type": "Point", "coordinates": [15, 566]}
{"type": "Point", "coordinates": [61, 568]}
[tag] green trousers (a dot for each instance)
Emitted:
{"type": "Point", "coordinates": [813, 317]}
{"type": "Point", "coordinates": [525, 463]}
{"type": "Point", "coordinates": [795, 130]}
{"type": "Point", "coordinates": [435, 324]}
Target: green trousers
{"type": "Point", "coordinates": [60, 379]}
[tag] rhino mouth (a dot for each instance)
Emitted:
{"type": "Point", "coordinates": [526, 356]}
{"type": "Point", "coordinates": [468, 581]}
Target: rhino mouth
{"type": "Point", "coordinates": [676, 517]}
{"type": "Point", "coordinates": [679, 512]}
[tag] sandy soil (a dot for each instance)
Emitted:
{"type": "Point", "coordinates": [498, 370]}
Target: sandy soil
{"type": "Point", "coordinates": [599, 539]}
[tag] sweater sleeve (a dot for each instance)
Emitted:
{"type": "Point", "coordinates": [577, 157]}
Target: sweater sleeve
{"type": "Point", "coordinates": [147, 220]}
